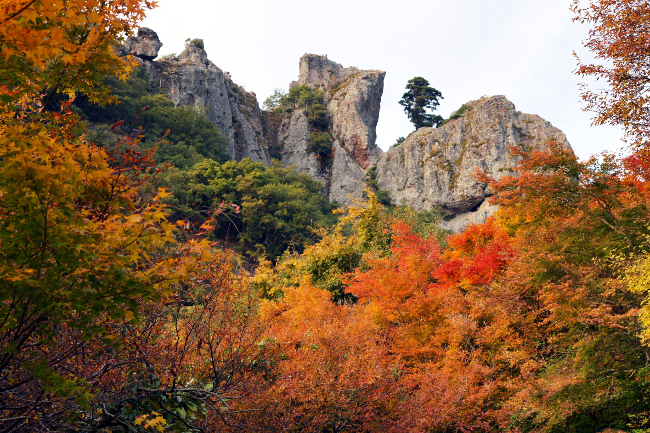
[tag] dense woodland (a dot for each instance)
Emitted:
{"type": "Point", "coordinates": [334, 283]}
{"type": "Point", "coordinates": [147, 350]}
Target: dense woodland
{"type": "Point", "coordinates": [149, 284]}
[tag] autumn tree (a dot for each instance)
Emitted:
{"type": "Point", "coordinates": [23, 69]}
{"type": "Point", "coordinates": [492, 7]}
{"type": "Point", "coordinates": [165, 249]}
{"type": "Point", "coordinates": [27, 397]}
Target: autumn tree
{"type": "Point", "coordinates": [334, 373]}
{"type": "Point", "coordinates": [574, 224]}
{"type": "Point", "coordinates": [619, 36]}
{"type": "Point", "coordinates": [82, 252]}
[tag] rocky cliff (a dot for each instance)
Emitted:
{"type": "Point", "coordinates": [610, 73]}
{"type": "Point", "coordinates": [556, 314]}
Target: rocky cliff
{"type": "Point", "coordinates": [352, 97]}
{"type": "Point", "coordinates": [432, 168]}
{"type": "Point", "coordinates": [193, 80]}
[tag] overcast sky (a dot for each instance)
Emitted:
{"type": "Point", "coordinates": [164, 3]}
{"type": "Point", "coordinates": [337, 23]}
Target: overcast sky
{"type": "Point", "coordinates": [465, 48]}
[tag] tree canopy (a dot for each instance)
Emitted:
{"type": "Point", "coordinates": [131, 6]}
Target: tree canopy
{"type": "Point", "coordinates": [267, 209]}
{"type": "Point", "coordinates": [419, 98]}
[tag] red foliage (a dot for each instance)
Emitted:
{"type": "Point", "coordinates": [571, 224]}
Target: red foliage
{"type": "Point", "coordinates": [475, 256]}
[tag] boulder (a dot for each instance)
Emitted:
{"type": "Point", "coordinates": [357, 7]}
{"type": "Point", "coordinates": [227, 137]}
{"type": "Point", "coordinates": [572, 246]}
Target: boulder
{"type": "Point", "coordinates": [144, 46]}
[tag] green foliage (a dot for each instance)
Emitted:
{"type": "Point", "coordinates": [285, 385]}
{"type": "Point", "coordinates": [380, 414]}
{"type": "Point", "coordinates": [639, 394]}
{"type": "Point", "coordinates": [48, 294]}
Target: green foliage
{"type": "Point", "coordinates": [191, 137]}
{"type": "Point", "coordinates": [373, 185]}
{"type": "Point", "coordinates": [423, 222]}
{"type": "Point", "coordinates": [320, 144]}
{"type": "Point", "coordinates": [280, 208]}
{"type": "Point", "coordinates": [365, 229]}
{"type": "Point", "coordinates": [275, 100]}
{"type": "Point", "coordinates": [418, 98]}
{"type": "Point", "coordinates": [303, 97]}
{"type": "Point", "coordinates": [456, 114]}
{"type": "Point", "coordinates": [170, 56]}
{"type": "Point", "coordinates": [127, 92]}
{"type": "Point", "coordinates": [196, 42]}
{"type": "Point", "coordinates": [318, 116]}
{"type": "Point", "coordinates": [399, 141]}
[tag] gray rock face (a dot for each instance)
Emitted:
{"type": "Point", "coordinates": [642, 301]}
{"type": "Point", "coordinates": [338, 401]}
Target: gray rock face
{"type": "Point", "coordinates": [435, 167]}
{"type": "Point", "coordinates": [319, 71]}
{"type": "Point", "coordinates": [145, 45]}
{"type": "Point", "coordinates": [432, 168]}
{"type": "Point", "coordinates": [348, 183]}
{"type": "Point", "coordinates": [353, 98]}
{"type": "Point", "coordinates": [192, 80]}
{"type": "Point", "coordinates": [294, 134]}
{"type": "Point", "coordinates": [459, 222]}
{"type": "Point", "coordinates": [195, 81]}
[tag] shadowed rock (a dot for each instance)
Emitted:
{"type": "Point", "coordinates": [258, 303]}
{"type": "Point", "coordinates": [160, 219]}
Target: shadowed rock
{"type": "Point", "coordinates": [144, 46]}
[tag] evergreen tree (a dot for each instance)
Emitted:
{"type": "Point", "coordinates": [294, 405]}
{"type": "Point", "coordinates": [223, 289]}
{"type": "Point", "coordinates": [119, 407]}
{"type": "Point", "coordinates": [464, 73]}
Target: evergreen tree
{"type": "Point", "coordinates": [418, 98]}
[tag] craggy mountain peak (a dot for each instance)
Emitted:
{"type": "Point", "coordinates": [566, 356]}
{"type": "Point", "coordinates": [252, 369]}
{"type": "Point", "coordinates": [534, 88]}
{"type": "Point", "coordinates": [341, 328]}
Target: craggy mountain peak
{"type": "Point", "coordinates": [432, 168]}
{"type": "Point", "coordinates": [353, 98]}
{"type": "Point", "coordinates": [319, 71]}
{"type": "Point", "coordinates": [191, 79]}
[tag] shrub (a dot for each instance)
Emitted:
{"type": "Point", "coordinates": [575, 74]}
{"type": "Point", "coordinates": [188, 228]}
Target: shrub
{"type": "Point", "coordinates": [320, 144]}
{"type": "Point", "coordinates": [197, 42]}
{"type": "Point", "coordinates": [456, 114]}
{"type": "Point", "coordinates": [373, 185]}
{"type": "Point", "coordinates": [318, 116]}
{"type": "Point", "coordinates": [399, 141]}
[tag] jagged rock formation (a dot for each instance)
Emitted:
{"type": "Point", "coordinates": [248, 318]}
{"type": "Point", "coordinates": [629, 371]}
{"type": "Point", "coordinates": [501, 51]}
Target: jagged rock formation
{"type": "Point", "coordinates": [432, 168]}
{"type": "Point", "coordinates": [193, 80]}
{"type": "Point", "coordinates": [145, 45]}
{"type": "Point", "coordinates": [435, 167]}
{"type": "Point", "coordinates": [352, 97]}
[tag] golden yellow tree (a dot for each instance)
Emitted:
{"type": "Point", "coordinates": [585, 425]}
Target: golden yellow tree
{"type": "Point", "coordinates": [80, 251]}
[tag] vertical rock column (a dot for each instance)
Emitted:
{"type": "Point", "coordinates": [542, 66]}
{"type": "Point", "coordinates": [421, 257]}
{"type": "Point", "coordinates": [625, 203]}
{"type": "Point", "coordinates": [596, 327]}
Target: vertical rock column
{"type": "Point", "coordinates": [352, 97]}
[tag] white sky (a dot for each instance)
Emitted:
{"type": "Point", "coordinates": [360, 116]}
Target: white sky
{"type": "Point", "coordinates": [465, 48]}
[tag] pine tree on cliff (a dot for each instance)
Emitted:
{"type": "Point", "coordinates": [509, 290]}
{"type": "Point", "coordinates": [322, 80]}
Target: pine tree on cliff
{"type": "Point", "coordinates": [418, 98]}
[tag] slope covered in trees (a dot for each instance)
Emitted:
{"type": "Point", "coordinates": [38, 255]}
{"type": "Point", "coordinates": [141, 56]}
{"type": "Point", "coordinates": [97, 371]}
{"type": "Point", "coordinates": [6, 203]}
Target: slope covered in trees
{"type": "Point", "coordinates": [262, 210]}
{"type": "Point", "coordinates": [116, 316]}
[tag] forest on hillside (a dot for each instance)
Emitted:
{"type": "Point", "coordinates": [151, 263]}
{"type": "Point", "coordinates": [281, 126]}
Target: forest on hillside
{"type": "Point", "coordinates": [147, 283]}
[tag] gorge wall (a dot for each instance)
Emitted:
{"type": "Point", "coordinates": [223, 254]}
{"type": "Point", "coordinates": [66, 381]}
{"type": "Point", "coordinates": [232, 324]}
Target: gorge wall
{"type": "Point", "coordinates": [432, 168]}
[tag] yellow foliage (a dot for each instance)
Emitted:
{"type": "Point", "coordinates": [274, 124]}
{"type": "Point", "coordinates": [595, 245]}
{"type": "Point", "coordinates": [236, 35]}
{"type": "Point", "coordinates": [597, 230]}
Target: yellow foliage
{"type": "Point", "coordinates": [155, 421]}
{"type": "Point", "coordinates": [64, 46]}
{"type": "Point", "coordinates": [638, 279]}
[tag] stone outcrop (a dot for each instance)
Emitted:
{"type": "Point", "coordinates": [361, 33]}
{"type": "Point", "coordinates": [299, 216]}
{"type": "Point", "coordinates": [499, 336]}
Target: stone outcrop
{"type": "Point", "coordinates": [434, 167]}
{"type": "Point", "coordinates": [192, 80]}
{"type": "Point", "coordinates": [144, 46]}
{"type": "Point", "coordinates": [352, 97]}
{"type": "Point", "coordinates": [294, 138]}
